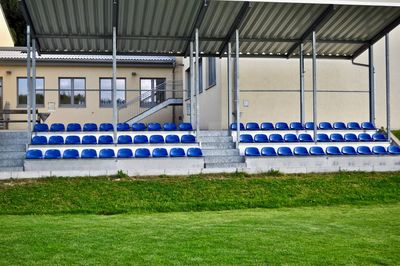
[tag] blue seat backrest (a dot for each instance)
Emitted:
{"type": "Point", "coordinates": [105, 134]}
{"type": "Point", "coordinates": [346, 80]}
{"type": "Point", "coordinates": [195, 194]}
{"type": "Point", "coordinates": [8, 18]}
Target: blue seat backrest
{"type": "Point", "coordinates": [106, 127]}
{"type": "Point", "coordinates": [268, 151]}
{"type": "Point", "coordinates": [246, 138]}
{"type": "Point", "coordinates": [170, 127]}
{"type": "Point", "coordinates": [90, 127]}
{"type": "Point", "coordinates": [364, 137]}
{"type": "Point", "coordinates": [139, 139]}
{"type": "Point", "coordinates": [296, 126]}
{"type": "Point", "coordinates": [275, 138]}
{"type": "Point", "coordinates": [56, 140]}
{"type": "Point", "coordinates": [88, 154]}
{"type": "Point", "coordinates": [322, 137]}
{"type": "Point", "coordinates": [267, 126]}
{"type": "Point", "coordinates": [156, 139]}
{"type": "Point", "coordinates": [41, 128]}
{"type": "Point", "coordinates": [333, 150]}
{"type": "Point", "coordinates": [367, 126]}
{"type": "Point", "coordinates": [124, 139]}
{"type": "Point", "coordinates": [301, 151]}
{"type": "Point", "coordinates": [39, 140]}
{"type": "Point", "coordinates": [285, 151]}
{"type": "Point", "coordinates": [317, 151]}
{"type": "Point", "coordinates": [251, 151]}
{"type": "Point", "coordinates": [71, 154]}
{"type": "Point", "coordinates": [394, 150]}
{"type": "Point", "coordinates": [105, 139]}
{"type": "Point", "coordinates": [124, 153]}
{"type": "Point", "coordinates": [160, 153]}
{"type": "Point", "coordinates": [252, 126]}
{"type": "Point", "coordinates": [154, 127]}
{"type": "Point", "coordinates": [57, 127]}
{"type": "Point", "coordinates": [89, 139]}
{"type": "Point", "coordinates": [52, 154]}
{"type": "Point", "coordinates": [353, 126]}
{"type": "Point", "coordinates": [142, 153]}
{"type": "Point", "coordinates": [325, 126]}
{"type": "Point", "coordinates": [72, 140]}
{"type": "Point", "coordinates": [138, 127]}
{"type": "Point", "coordinates": [172, 139]}
{"type": "Point", "coordinates": [185, 127]}
{"type": "Point", "coordinates": [350, 137]}
{"type": "Point", "coordinates": [177, 152]}
{"type": "Point", "coordinates": [34, 154]}
{"type": "Point", "coordinates": [379, 150]}
{"type": "Point", "coordinates": [290, 138]}
{"type": "Point", "coordinates": [305, 138]}
{"type": "Point", "coordinates": [336, 137]}
{"type": "Point", "coordinates": [233, 126]}
{"type": "Point", "coordinates": [188, 139]}
{"type": "Point", "coordinates": [339, 125]}
{"type": "Point", "coordinates": [364, 150]}
{"type": "Point", "coordinates": [73, 127]}
{"type": "Point", "coordinates": [261, 138]}
{"type": "Point", "coordinates": [379, 137]}
{"type": "Point", "coordinates": [194, 152]}
{"type": "Point", "coordinates": [106, 153]}
{"type": "Point", "coordinates": [281, 126]}
{"type": "Point", "coordinates": [123, 127]}
{"type": "Point", "coordinates": [348, 150]}
{"type": "Point", "coordinates": [309, 125]}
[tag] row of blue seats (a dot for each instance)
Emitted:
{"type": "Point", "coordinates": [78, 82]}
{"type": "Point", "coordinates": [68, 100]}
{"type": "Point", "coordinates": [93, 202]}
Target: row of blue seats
{"type": "Point", "coordinates": [319, 151]}
{"type": "Point", "coordinates": [307, 126]}
{"type": "Point", "coordinates": [321, 137]}
{"type": "Point", "coordinates": [107, 139]}
{"type": "Point", "coordinates": [110, 153]}
{"type": "Point", "coordinates": [75, 127]}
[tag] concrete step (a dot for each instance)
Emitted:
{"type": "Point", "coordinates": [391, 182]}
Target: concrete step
{"type": "Point", "coordinates": [12, 141]}
{"type": "Point", "coordinates": [220, 152]}
{"type": "Point", "coordinates": [223, 159]}
{"type": "Point", "coordinates": [12, 155]}
{"type": "Point", "coordinates": [11, 169]}
{"type": "Point", "coordinates": [225, 165]}
{"type": "Point", "coordinates": [13, 134]}
{"type": "Point", "coordinates": [216, 145]}
{"type": "Point", "coordinates": [16, 147]}
{"type": "Point", "coordinates": [12, 163]}
{"type": "Point", "coordinates": [216, 139]}
{"type": "Point", "coordinates": [214, 133]}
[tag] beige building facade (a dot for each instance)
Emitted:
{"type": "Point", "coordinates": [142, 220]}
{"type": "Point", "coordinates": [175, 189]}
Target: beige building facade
{"type": "Point", "coordinates": [6, 39]}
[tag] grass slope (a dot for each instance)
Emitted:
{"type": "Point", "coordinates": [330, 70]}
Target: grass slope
{"type": "Point", "coordinates": [196, 193]}
{"type": "Point", "coordinates": [396, 133]}
{"type": "Point", "coordinates": [336, 235]}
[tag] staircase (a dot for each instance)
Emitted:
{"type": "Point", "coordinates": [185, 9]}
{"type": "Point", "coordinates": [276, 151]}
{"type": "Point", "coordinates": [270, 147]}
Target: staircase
{"type": "Point", "coordinates": [12, 150]}
{"type": "Point", "coordinates": [219, 150]}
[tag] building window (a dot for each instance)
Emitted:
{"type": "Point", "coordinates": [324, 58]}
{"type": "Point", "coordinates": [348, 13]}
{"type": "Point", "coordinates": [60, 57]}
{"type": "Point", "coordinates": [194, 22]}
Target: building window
{"type": "Point", "coordinates": [200, 75]}
{"type": "Point", "coordinates": [106, 92]}
{"type": "Point", "coordinates": [22, 92]}
{"type": "Point", "coordinates": [72, 92]}
{"type": "Point", "coordinates": [188, 84]}
{"type": "Point", "coordinates": [212, 75]}
{"type": "Point", "coordinates": [152, 91]}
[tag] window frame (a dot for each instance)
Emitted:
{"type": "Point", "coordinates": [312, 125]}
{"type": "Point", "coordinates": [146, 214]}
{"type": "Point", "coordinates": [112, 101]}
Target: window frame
{"type": "Point", "coordinates": [24, 105]}
{"type": "Point", "coordinates": [71, 105]}
{"type": "Point", "coordinates": [211, 73]}
{"type": "Point", "coordinates": [188, 84]}
{"type": "Point", "coordinates": [111, 105]}
{"type": "Point", "coordinates": [152, 104]}
{"type": "Point", "coordinates": [201, 81]}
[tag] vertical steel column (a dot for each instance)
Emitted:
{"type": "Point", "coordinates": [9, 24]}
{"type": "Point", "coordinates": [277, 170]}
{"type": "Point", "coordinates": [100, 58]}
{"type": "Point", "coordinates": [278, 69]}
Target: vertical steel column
{"type": "Point", "coordinates": [314, 78]}
{"type": "Point", "coordinates": [302, 106]}
{"type": "Point", "coordinates": [387, 55]}
{"type": "Point", "coordinates": [197, 84]}
{"type": "Point", "coordinates": [33, 101]}
{"type": "Point", "coordinates": [237, 90]}
{"type": "Point", "coordinates": [229, 67]}
{"type": "Point", "coordinates": [192, 86]}
{"type": "Point", "coordinates": [28, 79]}
{"type": "Point", "coordinates": [114, 82]}
{"type": "Point", "coordinates": [371, 85]}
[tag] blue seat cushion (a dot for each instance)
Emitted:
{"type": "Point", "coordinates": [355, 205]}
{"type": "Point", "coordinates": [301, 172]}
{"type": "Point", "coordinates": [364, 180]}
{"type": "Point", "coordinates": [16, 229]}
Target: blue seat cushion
{"type": "Point", "coordinates": [185, 127]}
{"type": "Point", "coordinates": [72, 140]}
{"type": "Point", "coordinates": [252, 126]}
{"type": "Point", "coordinates": [335, 137]}
{"type": "Point", "coordinates": [339, 125]}
{"type": "Point", "coordinates": [325, 126]}
{"type": "Point", "coordinates": [142, 153]}
{"type": "Point", "coordinates": [140, 139]}
{"type": "Point", "coordinates": [177, 152]}
{"type": "Point", "coordinates": [41, 128]}
{"type": "Point", "coordinates": [379, 137]}
{"type": "Point", "coordinates": [71, 154]}
{"type": "Point", "coordinates": [252, 151]}
{"type": "Point", "coordinates": [156, 139]}
{"type": "Point", "coordinates": [39, 140]}
{"type": "Point", "coordinates": [106, 153]}
{"type": "Point", "coordinates": [261, 138]}
{"type": "Point", "coordinates": [90, 127]}
{"type": "Point", "coordinates": [89, 154]}
{"type": "Point", "coordinates": [333, 150]}
{"type": "Point", "coordinates": [350, 137]}
{"type": "Point", "coordinates": [124, 153]}
{"type": "Point", "coordinates": [188, 139]}
{"type": "Point", "coordinates": [275, 138]}
{"type": "Point", "coordinates": [123, 127]}
{"type": "Point", "coordinates": [281, 126]}
{"type": "Point", "coordinates": [172, 139]}
{"type": "Point", "coordinates": [124, 139]}
{"type": "Point", "coordinates": [364, 150]}
{"type": "Point", "coordinates": [89, 139]}
{"type": "Point", "coordinates": [106, 127]}
{"type": "Point", "coordinates": [246, 138]}
{"type": "Point", "coordinates": [138, 127]}
{"type": "Point", "coordinates": [285, 151]}
{"type": "Point", "coordinates": [233, 126]}
{"type": "Point", "coordinates": [52, 154]}
{"type": "Point", "coordinates": [170, 127]}
{"type": "Point", "coordinates": [106, 139]}
{"type": "Point", "coordinates": [364, 137]}
{"type": "Point", "coordinates": [194, 152]}
{"type": "Point", "coordinates": [309, 125]}
{"type": "Point", "coordinates": [379, 150]}
{"type": "Point", "coordinates": [57, 127]}
{"type": "Point", "coordinates": [73, 127]}
{"type": "Point", "coordinates": [348, 150]}
{"type": "Point", "coordinates": [305, 138]}
{"type": "Point", "coordinates": [296, 126]}
{"type": "Point", "coordinates": [322, 137]}
{"type": "Point", "coordinates": [394, 150]}
{"type": "Point", "coordinates": [267, 126]}
{"type": "Point", "coordinates": [290, 138]}
{"type": "Point", "coordinates": [317, 151]}
{"type": "Point", "coordinates": [367, 126]}
{"type": "Point", "coordinates": [160, 153]}
{"type": "Point", "coordinates": [353, 126]}
{"type": "Point", "coordinates": [56, 140]}
{"type": "Point", "coordinates": [268, 151]}
{"type": "Point", "coordinates": [301, 151]}
{"type": "Point", "coordinates": [34, 154]}
{"type": "Point", "coordinates": [154, 127]}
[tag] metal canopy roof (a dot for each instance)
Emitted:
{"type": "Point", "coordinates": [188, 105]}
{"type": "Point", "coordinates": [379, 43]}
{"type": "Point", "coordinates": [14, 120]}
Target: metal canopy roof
{"type": "Point", "coordinates": [345, 28]}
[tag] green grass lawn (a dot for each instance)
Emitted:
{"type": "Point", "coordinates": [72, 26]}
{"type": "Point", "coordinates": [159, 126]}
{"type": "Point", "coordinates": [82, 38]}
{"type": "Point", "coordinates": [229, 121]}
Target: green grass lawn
{"type": "Point", "coordinates": [396, 133]}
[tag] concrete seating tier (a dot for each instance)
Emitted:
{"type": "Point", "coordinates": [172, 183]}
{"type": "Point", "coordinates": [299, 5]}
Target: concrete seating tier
{"type": "Point", "coordinates": [253, 126]}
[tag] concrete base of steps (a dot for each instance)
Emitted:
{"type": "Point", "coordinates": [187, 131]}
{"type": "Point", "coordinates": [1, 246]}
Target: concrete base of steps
{"type": "Point", "coordinates": [233, 167]}
{"type": "Point", "coordinates": [12, 150]}
{"type": "Point", "coordinates": [223, 159]}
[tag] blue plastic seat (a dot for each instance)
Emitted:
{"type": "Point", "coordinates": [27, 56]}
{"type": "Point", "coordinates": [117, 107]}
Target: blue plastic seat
{"type": "Point", "coordinates": [89, 127]}
{"type": "Point", "coordinates": [275, 138]}
{"type": "Point", "coordinates": [252, 126]}
{"type": "Point", "coordinates": [52, 154]}
{"type": "Point", "coordinates": [364, 150]}
{"type": "Point", "coordinates": [251, 151]}
{"type": "Point", "coordinates": [170, 127]}
{"type": "Point", "coordinates": [301, 151]}
{"type": "Point", "coordinates": [72, 140]}
{"type": "Point", "coordinates": [246, 138]}
{"type": "Point", "coordinates": [138, 127]}
{"type": "Point", "coordinates": [34, 154]}
{"type": "Point", "coordinates": [71, 154]}
{"type": "Point", "coordinates": [154, 127]}
{"type": "Point", "coordinates": [39, 140]}
{"type": "Point", "coordinates": [317, 151]}
{"type": "Point", "coordinates": [142, 153]}
{"type": "Point", "coordinates": [188, 139]}
{"type": "Point", "coordinates": [185, 127]}
{"type": "Point", "coordinates": [89, 139]}
{"type": "Point", "coordinates": [305, 138]}
{"type": "Point", "coordinates": [172, 139]}
{"type": "Point", "coordinates": [365, 137]}
{"type": "Point", "coordinates": [177, 152]}
{"type": "Point", "coordinates": [123, 127]}
{"type": "Point", "coordinates": [89, 154]}
{"type": "Point", "coordinates": [124, 153]}
{"type": "Point", "coordinates": [309, 125]}
{"type": "Point", "coordinates": [106, 139]}
{"type": "Point", "coordinates": [160, 153]}
{"type": "Point", "coordinates": [285, 151]}
{"type": "Point", "coordinates": [106, 153]}
{"type": "Point", "coordinates": [56, 140]}
{"type": "Point", "coordinates": [333, 150]}
{"type": "Point", "coordinates": [156, 139]}
{"type": "Point", "coordinates": [124, 139]}
{"type": "Point", "coordinates": [339, 126]}
{"type": "Point", "coordinates": [194, 152]}
{"type": "Point", "coordinates": [233, 126]}
{"type": "Point", "coordinates": [325, 126]}
{"type": "Point", "coordinates": [379, 137]}
{"type": "Point", "coordinates": [367, 126]}
{"type": "Point", "coordinates": [268, 151]}
{"type": "Point", "coordinates": [281, 126]}
{"type": "Point", "coordinates": [350, 137]}
{"type": "Point", "coordinates": [290, 138]}
{"type": "Point", "coordinates": [140, 139]}
{"type": "Point", "coordinates": [348, 150]}
{"type": "Point", "coordinates": [322, 137]}
{"type": "Point", "coordinates": [267, 126]}
{"type": "Point", "coordinates": [73, 127]}
{"type": "Point", "coordinates": [106, 127]}
{"type": "Point", "coordinates": [379, 150]}
{"type": "Point", "coordinates": [57, 127]}
{"type": "Point", "coordinates": [260, 138]}
{"type": "Point", "coordinates": [296, 126]}
{"type": "Point", "coordinates": [41, 128]}
{"type": "Point", "coordinates": [335, 137]}
{"type": "Point", "coordinates": [394, 150]}
{"type": "Point", "coordinates": [353, 126]}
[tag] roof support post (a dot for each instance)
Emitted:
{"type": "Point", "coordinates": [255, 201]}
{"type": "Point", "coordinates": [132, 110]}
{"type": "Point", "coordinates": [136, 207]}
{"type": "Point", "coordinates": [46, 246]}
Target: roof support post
{"type": "Point", "coordinates": [314, 82]}
{"type": "Point", "coordinates": [387, 56]}
{"type": "Point", "coordinates": [237, 90]}
{"type": "Point", "coordinates": [196, 38]}
{"type": "Point", "coordinates": [302, 106]}
{"type": "Point", "coordinates": [192, 86]}
{"type": "Point", "coordinates": [197, 24]}
{"type": "Point", "coordinates": [371, 85]}
{"type": "Point", "coordinates": [33, 101]}
{"type": "Point", "coordinates": [114, 83]}
{"type": "Point", "coordinates": [28, 80]}
{"type": "Point", "coordinates": [229, 67]}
